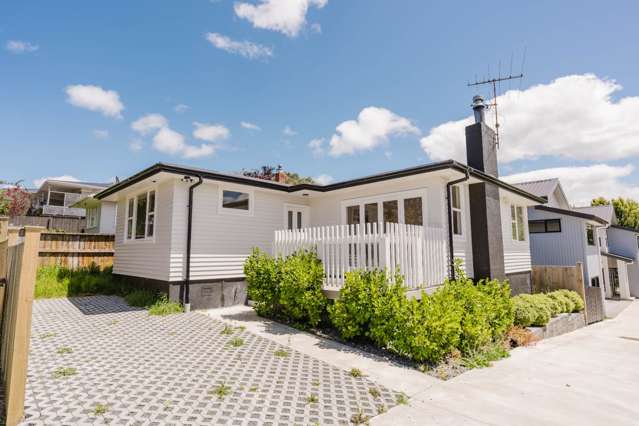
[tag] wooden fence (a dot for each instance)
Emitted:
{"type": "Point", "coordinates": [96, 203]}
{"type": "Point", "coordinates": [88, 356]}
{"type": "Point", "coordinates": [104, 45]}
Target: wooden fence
{"type": "Point", "coordinates": [52, 223]}
{"type": "Point", "coordinates": [17, 274]}
{"type": "Point", "coordinates": [418, 252]}
{"type": "Point", "coordinates": [549, 278]}
{"type": "Point", "coordinates": [76, 250]}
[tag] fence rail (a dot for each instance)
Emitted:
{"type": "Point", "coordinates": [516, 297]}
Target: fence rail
{"type": "Point", "coordinates": [418, 252]}
{"type": "Point", "coordinates": [76, 250]}
{"type": "Point", "coordinates": [17, 275]}
{"type": "Point", "coordinates": [64, 224]}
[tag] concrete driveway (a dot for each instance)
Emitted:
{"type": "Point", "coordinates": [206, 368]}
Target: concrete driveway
{"type": "Point", "coordinates": [588, 377]}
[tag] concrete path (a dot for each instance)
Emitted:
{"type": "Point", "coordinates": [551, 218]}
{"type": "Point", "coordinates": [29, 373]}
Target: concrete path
{"type": "Point", "coordinates": [588, 377]}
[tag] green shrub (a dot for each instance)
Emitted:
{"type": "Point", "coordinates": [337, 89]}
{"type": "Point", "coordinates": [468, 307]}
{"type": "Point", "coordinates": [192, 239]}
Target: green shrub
{"type": "Point", "coordinates": [575, 298]}
{"type": "Point", "coordinates": [56, 281]}
{"type": "Point", "coordinates": [566, 304]}
{"type": "Point", "coordinates": [500, 306]}
{"type": "Point", "coordinates": [263, 277]}
{"type": "Point", "coordinates": [141, 298]}
{"type": "Point", "coordinates": [162, 306]}
{"type": "Point", "coordinates": [532, 310]}
{"type": "Point", "coordinates": [300, 291]}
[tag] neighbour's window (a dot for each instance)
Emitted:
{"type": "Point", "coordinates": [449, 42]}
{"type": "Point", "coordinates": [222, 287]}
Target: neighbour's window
{"type": "Point", "coordinates": [235, 200]}
{"type": "Point", "coordinates": [594, 282]}
{"type": "Point", "coordinates": [544, 226]}
{"type": "Point", "coordinates": [92, 217]}
{"type": "Point", "coordinates": [590, 235]}
{"type": "Point", "coordinates": [413, 211]}
{"type": "Point", "coordinates": [56, 198]}
{"type": "Point", "coordinates": [517, 223]}
{"type": "Point", "coordinates": [140, 216]}
{"type": "Point", "coordinates": [457, 210]}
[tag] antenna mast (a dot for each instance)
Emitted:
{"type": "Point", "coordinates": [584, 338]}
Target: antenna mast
{"type": "Point", "coordinates": [493, 82]}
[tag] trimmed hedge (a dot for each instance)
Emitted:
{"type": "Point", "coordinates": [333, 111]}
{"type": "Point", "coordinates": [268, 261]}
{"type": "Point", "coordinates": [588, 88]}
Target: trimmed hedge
{"type": "Point", "coordinates": [538, 309]}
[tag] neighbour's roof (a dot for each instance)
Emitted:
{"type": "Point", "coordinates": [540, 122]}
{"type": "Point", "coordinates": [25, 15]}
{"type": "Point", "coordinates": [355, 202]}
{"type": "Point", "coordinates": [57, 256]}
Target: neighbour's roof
{"type": "Point", "coordinates": [625, 228]}
{"type": "Point", "coordinates": [76, 183]}
{"type": "Point", "coordinates": [572, 213]}
{"type": "Point", "coordinates": [235, 178]}
{"type": "Point", "coordinates": [606, 212]}
{"type": "Point", "coordinates": [541, 188]}
{"type": "Point", "coordinates": [618, 256]}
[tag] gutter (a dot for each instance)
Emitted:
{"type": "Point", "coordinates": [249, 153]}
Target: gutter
{"type": "Point", "coordinates": [184, 288]}
{"type": "Point", "coordinates": [449, 207]}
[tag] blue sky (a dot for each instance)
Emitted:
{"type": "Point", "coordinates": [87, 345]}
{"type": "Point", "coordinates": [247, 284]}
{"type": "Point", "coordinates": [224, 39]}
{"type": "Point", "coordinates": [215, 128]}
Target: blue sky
{"type": "Point", "coordinates": [402, 63]}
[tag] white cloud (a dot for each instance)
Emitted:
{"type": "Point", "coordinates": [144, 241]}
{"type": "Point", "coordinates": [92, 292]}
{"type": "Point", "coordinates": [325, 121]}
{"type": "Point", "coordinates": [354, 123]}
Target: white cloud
{"type": "Point", "coordinates": [285, 16]}
{"type": "Point", "coordinates": [95, 98]}
{"type": "Point", "coordinates": [19, 46]}
{"type": "Point", "coordinates": [149, 123]}
{"type": "Point", "coordinates": [210, 132]}
{"type": "Point", "coordinates": [573, 116]}
{"type": "Point", "coordinates": [181, 108]}
{"type": "Point", "coordinates": [250, 126]}
{"type": "Point", "coordinates": [323, 179]}
{"type": "Point", "coordinates": [583, 183]}
{"type": "Point", "coordinates": [68, 178]}
{"type": "Point", "coordinates": [244, 48]}
{"type": "Point", "coordinates": [101, 134]}
{"type": "Point", "coordinates": [168, 141]}
{"type": "Point", "coordinates": [203, 150]}
{"type": "Point", "coordinates": [317, 146]}
{"type": "Point", "coordinates": [372, 128]}
{"type": "Point", "coordinates": [288, 131]}
{"type": "Point", "coordinates": [136, 145]}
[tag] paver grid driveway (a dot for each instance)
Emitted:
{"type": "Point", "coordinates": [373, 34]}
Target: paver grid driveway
{"type": "Point", "coordinates": [164, 370]}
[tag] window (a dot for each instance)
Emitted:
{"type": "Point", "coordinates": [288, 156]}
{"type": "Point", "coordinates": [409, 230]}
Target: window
{"type": "Point", "coordinates": [590, 235]}
{"type": "Point", "coordinates": [140, 216]}
{"type": "Point", "coordinates": [517, 223]}
{"type": "Point", "coordinates": [412, 211]}
{"type": "Point", "coordinates": [352, 215]}
{"type": "Point", "coordinates": [92, 217]}
{"type": "Point", "coordinates": [401, 207]}
{"type": "Point", "coordinates": [235, 200]}
{"type": "Point", "coordinates": [594, 282]}
{"type": "Point", "coordinates": [391, 211]}
{"type": "Point", "coordinates": [56, 198]}
{"type": "Point", "coordinates": [457, 211]}
{"type": "Point", "coordinates": [544, 226]}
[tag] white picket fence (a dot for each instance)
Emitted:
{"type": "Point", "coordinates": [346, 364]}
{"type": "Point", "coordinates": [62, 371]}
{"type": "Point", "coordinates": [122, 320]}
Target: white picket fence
{"type": "Point", "coordinates": [419, 252]}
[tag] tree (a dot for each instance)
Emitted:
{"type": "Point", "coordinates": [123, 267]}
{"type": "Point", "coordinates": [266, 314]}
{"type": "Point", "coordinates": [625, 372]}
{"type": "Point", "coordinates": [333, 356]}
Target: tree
{"type": "Point", "coordinates": [626, 210]}
{"type": "Point", "coordinates": [14, 200]}
{"type": "Point", "coordinates": [270, 173]}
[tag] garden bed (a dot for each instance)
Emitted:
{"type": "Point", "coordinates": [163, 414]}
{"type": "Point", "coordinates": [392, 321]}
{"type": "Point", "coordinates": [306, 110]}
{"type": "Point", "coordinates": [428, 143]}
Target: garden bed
{"type": "Point", "coordinates": [561, 324]}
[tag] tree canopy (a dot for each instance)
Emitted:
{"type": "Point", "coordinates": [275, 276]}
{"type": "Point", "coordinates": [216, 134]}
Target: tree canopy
{"type": "Point", "coordinates": [270, 173]}
{"type": "Point", "coordinates": [14, 200]}
{"type": "Point", "coordinates": [626, 210]}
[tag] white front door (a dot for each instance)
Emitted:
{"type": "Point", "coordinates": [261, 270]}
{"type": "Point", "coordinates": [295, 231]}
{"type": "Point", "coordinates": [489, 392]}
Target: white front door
{"type": "Point", "coordinates": [295, 217]}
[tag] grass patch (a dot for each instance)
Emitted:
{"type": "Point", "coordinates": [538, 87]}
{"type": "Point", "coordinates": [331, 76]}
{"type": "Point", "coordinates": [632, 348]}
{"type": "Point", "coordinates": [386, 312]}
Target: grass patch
{"type": "Point", "coordinates": [236, 342]}
{"type": "Point", "coordinates": [359, 418]}
{"type": "Point", "coordinates": [375, 393]}
{"type": "Point", "coordinates": [227, 331]}
{"type": "Point", "coordinates": [64, 350]}
{"type": "Point", "coordinates": [163, 307]}
{"type": "Point", "coordinates": [401, 399]}
{"type": "Point", "coordinates": [485, 356]}
{"type": "Point", "coordinates": [281, 353]}
{"type": "Point", "coordinates": [48, 335]}
{"type": "Point", "coordinates": [100, 409]}
{"type": "Point", "coordinates": [356, 372]}
{"type": "Point", "coordinates": [381, 409]}
{"type": "Point", "coordinates": [312, 399]}
{"type": "Point", "coordinates": [221, 391]}
{"type": "Point", "coordinates": [56, 281]}
{"type": "Point", "coordinates": [140, 298]}
{"type": "Point", "coordinates": [62, 372]}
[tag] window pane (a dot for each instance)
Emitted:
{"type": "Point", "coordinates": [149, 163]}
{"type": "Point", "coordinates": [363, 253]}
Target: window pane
{"type": "Point", "coordinates": [290, 219]}
{"type": "Point", "coordinates": [391, 211]}
{"type": "Point", "coordinates": [151, 201]}
{"type": "Point", "coordinates": [235, 200]}
{"type": "Point", "coordinates": [514, 230]}
{"type": "Point", "coordinates": [56, 198]}
{"type": "Point", "coordinates": [299, 220]}
{"type": "Point", "coordinates": [370, 213]}
{"type": "Point", "coordinates": [140, 216]}
{"type": "Point", "coordinates": [150, 225]}
{"type": "Point", "coordinates": [130, 209]}
{"type": "Point", "coordinates": [553, 225]}
{"type": "Point", "coordinates": [590, 235]}
{"type": "Point", "coordinates": [129, 228]}
{"type": "Point", "coordinates": [456, 198]}
{"type": "Point", "coordinates": [352, 215]}
{"type": "Point", "coordinates": [521, 235]}
{"type": "Point", "coordinates": [457, 223]}
{"type": "Point", "coordinates": [413, 211]}
{"type": "Point", "coordinates": [536, 226]}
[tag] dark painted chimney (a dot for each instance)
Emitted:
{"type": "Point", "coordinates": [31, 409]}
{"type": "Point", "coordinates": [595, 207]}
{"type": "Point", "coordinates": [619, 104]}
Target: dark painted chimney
{"type": "Point", "coordinates": [485, 208]}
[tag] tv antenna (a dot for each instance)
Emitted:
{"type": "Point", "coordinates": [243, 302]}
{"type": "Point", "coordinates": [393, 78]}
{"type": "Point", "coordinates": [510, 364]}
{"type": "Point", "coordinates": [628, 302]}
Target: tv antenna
{"type": "Point", "coordinates": [493, 82]}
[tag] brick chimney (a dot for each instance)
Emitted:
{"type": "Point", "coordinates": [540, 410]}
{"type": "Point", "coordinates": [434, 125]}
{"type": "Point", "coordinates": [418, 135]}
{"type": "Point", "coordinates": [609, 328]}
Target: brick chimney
{"type": "Point", "coordinates": [485, 207]}
{"type": "Point", "coordinates": [280, 176]}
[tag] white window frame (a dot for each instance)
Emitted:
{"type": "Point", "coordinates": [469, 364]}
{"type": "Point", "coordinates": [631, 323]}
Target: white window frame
{"type": "Point", "coordinates": [134, 197]}
{"type": "Point", "coordinates": [92, 217]}
{"type": "Point", "coordinates": [380, 198]}
{"type": "Point", "coordinates": [462, 203]}
{"type": "Point", "coordinates": [235, 212]}
{"type": "Point", "coordinates": [306, 214]}
{"type": "Point", "coordinates": [513, 221]}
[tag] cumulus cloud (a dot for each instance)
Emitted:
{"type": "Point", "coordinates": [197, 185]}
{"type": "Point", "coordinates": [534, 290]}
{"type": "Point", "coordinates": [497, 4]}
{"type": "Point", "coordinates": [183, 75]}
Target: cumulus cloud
{"type": "Point", "coordinates": [95, 98]}
{"type": "Point", "coordinates": [583, 183]}
{"type": "Point", "coordinates": [288, 131]}
{"type": "Point", "coordinates": [149, 123]}
{"type": "Point", "coordinates": [203, 150]}
{"type": "Point", "coordinates": [101, 134]}
{"type": "Point", "coordinates": [317, 147]}
{"type": "Point", "coordinates": [244, 48]}
{"type": "Point", "coordinates": [373, 127]}
{"type": "Point", "coordinates": [68, 178]}
{"type": "Point", "coordinates": [323, 179]}
{"type": "Point", "coordinates": [181, 108]}
{"type": "Point", "coordinates": [19, 46]}
{"type": "Point", "coordinates": [210, 132]}
{"type": "Point", "coordinates": [136, 145]}
{"type": "Point", "coordinates": [250, 126]}
{"type": "Point", "coordinates": [573, 117]}
{"type": "Point", "coordinates": [168, 141]}
{"type": "Point", "coordinates": [285, 16]}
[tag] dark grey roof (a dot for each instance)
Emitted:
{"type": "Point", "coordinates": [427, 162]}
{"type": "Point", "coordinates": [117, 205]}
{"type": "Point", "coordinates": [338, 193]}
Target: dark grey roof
{"type": "Point", "coordinates": [541, 188]}
{"type": "Point", "coordinates": [625, 228]}
{"type": "Point", "coordinates": [606, 212]}
{"type": "Point", "coordinates": [617, 256]}
{"type": "Point", "coordinates": [572, 213]}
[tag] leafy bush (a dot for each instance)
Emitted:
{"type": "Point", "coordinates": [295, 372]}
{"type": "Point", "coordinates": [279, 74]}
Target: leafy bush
{"type": "Point", "coordinates": [500, 306]}
{"type": "Point", "coordinates": [57, 281]}
{"type": "Point", "coordinates": [290, 288]}
{"type": "Point", "coordinates": [575, 298]}
{"type": "Point", "coordinates": [537, 309]}
{"type": "Point", "coordinates": [162, 306]}
{"type": "Point", "coordinates": [141, 298]}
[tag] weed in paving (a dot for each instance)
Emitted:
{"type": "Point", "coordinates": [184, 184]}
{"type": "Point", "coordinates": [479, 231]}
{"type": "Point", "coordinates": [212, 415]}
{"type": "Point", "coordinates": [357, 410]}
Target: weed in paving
{"type": "Point", "coordinates": [48, 335]}
{"type": "Point", "coordinates": [253, 389]}
{"type": "Point", "coordinates": [236, 342]}
{"type": "Point", "coordinates": [359, 418]}
{"type": "Point", "coordinates": [356, 372]}
{"type": "Point", "coordinates": [315, 383]}
{"type": "Point", "coordinates": [62, 372]}
{"type": "Point", "coordinates": [228, 330]}
{"type": "Point", "coordinates": [381, 409]}
{"type": "Point", "coordinates": [281, 353]}
{"type": "Point", "coordinates": [221, 391]}
{"type": "Point", "coordinates": [375, 393]}
{"type": "Point", "coordinates": [402, 399]}
{"type": "Point", "coordinates": [64, 350]}
{"type": "Point", "coordinates": [100, 409]}
{"type": "Point", "coordinates": [312, 399]}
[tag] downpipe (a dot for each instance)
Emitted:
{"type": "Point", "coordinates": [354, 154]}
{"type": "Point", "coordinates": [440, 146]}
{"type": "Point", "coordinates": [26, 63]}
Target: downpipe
{"type": "Point", "coordinates": [184, 289]}
{"type": "Point", "coordinates": [449, 206]}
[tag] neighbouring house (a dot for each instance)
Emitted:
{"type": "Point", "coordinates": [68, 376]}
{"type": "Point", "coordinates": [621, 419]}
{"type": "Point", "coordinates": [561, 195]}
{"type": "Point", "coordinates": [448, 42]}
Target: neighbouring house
{"type": "Point", "coordinates": [187, 231]}
{"type": "Point", "coordinates": [100, 215]}
{"type": "Point", "coordinates": [56, 197]}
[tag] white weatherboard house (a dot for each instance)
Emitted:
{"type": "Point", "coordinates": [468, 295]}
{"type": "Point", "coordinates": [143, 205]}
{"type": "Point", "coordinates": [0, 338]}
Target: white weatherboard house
{"type": "Point", "coordinates": [188, 231]}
